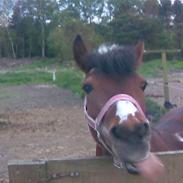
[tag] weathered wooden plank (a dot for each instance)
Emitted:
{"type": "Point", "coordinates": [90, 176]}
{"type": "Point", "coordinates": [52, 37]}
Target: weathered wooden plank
{"type": "Point", "coordinates": [162, 50]}
{"type": "Point", "coordinates": [90, 170]}
{"type": "Point", "coordinates": [26, 171]}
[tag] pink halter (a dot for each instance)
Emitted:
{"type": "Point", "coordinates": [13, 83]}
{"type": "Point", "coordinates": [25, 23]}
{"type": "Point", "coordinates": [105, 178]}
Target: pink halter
{"type": "Point", "coordinates": [95, 123]}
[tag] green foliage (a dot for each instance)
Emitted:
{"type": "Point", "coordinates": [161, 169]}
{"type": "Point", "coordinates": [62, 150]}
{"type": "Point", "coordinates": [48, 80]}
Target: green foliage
{"type": "Point", "coordinates": [65, 78]}
{"type": "Point", "coordinates": [129, 29]}
{"type": "Point", "coordinates": [135, 20]}
{"type": "Point", "coordinates": [4, 43]}
{"type": "Point", "coordinates": [165, 11]}
{"type": "Point", "coordinates": [35, 73]}
{"type": "Point", "coordinates": [19, 78]}
{"type": "Point", "coordinates": [178, 22]}
{"type": "Point", "coordinates": [31, 21]}
{"type": "Point", "coordinates": [154, 110]}
{"type": "Point", "coordinates": [151, 68]}
{"type": "Point", "coordinates": [175, 66]}
{"type": "Point", "coordinates": [56, 43]}
{"type": "Point", "coordinates": [87, 10]}
{"type": "Point", "coordinates": [39, 64]}
{"type": "Point", "coordinates": [48, 27]}
{"type": "Point", "coordinates": [61, 38]}
{"type": "Point", "coordinates": [70, 79]}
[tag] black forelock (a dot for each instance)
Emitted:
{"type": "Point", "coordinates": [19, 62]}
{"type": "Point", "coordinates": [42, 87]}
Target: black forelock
{"type": "Point", "coordinates": [119, 61]}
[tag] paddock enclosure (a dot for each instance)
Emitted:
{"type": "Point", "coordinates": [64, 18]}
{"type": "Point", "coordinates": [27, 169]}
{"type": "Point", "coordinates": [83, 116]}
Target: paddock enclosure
{"type": "Point", "coordinates": [89, 170]}
{"type": "Point", "coordinates": [35, 123]}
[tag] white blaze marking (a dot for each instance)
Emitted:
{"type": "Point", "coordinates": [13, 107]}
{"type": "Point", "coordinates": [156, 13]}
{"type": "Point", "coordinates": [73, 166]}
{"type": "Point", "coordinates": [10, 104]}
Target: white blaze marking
{"type": "Point", "coordinates": [124, 109]}
{"type": "Point", "coordinates": [179, 137]}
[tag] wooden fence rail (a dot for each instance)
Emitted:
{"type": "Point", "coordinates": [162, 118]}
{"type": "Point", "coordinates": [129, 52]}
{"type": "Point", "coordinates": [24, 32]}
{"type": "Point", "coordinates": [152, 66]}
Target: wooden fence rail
{"type": "Point", "coordinates": [91, 170]}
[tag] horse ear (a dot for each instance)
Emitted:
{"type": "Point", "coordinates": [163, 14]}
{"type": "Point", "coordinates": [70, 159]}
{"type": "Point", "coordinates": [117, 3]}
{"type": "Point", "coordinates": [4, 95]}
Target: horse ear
{"type": "Point", "coordinates": [139, 52]}
{"type": "Point", "coordinates": [80, 51]}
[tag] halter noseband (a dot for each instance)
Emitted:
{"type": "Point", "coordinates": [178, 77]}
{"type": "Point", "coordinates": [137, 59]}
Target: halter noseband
{"type": "Point", "coordinates": [96, 123]}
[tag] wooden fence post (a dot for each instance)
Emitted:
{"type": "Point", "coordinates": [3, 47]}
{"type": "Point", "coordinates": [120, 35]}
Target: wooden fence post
{"type": "Point", "coordinates": [164, 53]}
{"type": "Point", "coordinates": [165, 77]}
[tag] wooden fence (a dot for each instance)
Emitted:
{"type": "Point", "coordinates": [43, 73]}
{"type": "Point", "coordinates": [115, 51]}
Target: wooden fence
{"type": "Point", "coordinates": [91, 170]}
{"type": "Point", "coordinates": [165, 69]}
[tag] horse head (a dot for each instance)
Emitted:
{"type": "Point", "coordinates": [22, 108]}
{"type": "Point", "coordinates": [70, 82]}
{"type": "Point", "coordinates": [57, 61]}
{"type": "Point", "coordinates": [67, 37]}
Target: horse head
{"type": "Point", "coordinates": [114, 101]}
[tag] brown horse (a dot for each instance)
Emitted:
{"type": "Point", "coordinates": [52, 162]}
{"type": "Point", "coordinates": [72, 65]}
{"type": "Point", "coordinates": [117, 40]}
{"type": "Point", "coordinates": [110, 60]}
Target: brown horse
{"type": "Point", "coordinates": [115, 110]}
{"type": "Point", "coordinates": [167, 134]}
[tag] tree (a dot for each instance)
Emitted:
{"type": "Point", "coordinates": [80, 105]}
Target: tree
{"type": "Point", "coordinates": [47, 27]}
{"type": "Point", "coordinates": [130, 7]}
{"type": "Point", "coordinates": [89, 10]}
{"type": "Point", "coordinates": [5, 12]}
{"type": "Point", "coordinates": [165, 12]}
{"type": "Point", "coordinates": [18, 29]}
{"type": "Point", "coordinates": [4, 43]}
{"type": "Point", "coordinates": [42, 11]}
{"type": "Point", "coordinates": [178, 22]}
{"type": "Point", "coordinates": [27, 30]}
{"type": "Point", "coordinates": [61, 38]}
{"type": "Point", "coordinates": [151, 8]}
{"type": "Point", "coordinates": [136, 19]}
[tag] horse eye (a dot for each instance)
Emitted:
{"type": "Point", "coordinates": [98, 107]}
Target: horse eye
{"type": "Point", "coordinates": [87, 88]}
{"type": "Point", "coordinates": [144, 85]}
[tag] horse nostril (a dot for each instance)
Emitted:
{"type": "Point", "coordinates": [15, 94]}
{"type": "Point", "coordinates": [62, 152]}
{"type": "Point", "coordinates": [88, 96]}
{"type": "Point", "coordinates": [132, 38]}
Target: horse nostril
{"type": "Point", "coordinates": [142, 129]}
{"type": "Point", "coordinates": [115, 131]}
{"type": "Point", "coordinates": [119, 132]}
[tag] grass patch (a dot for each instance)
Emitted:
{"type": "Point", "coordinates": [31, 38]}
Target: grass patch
{"type": "Point", "coordinates": [175, 65]}
{"type": "Point", "coordinates": [19, 78]}
{"type": "Point", "coordinates": [70, 79]}
{"type": "Point", "coordinates": [151, 68]}
{"type": "Point", "coordinates": [154, 68]}
{"type": "Point", "coordinates": [66, 78]}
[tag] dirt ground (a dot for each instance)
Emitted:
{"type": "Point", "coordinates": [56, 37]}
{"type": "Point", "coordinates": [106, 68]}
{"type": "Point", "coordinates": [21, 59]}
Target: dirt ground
{"type": "Point", "coordinates": [156, 92]}
{"type": "Point", "coordinates": [44, 121]}
{"type": "Point", "coordinates": [7, 63]}
{"type": "Point", "coordinates": [41, 122]}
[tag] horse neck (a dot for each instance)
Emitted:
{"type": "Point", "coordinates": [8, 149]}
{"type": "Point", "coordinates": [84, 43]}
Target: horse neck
{"type": "Point", "coordinates": [157, 142]}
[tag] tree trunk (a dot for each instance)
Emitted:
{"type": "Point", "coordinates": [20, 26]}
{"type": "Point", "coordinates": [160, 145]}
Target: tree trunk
{"type": "Point", "coordinates": [0, 50]}
{"type": "Point", "coordinates": [43, 40]}
{"type": "Point", "coordinates": [30, 48]}
{"type": "Point", "coordinates": [23, 51]}
{"type": "Point", "coordinates": [11, 43]}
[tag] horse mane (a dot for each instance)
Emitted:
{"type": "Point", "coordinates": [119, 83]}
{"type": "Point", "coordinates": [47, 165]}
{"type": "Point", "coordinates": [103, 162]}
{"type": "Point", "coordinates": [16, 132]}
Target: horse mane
{"type": "Point", "coordinates": [112, 60]}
